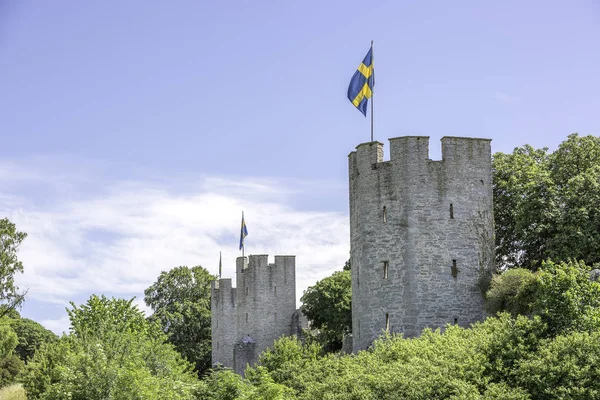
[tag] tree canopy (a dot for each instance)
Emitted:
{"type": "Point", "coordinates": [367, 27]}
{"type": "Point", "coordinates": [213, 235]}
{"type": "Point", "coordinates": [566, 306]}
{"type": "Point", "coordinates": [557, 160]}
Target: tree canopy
{"type": "Point", "coordinates": [180, 299]}
{"type": "Point", "coordinates": [31, 336]}
{"type": "Point", "coordinates": [10, 240]}
{"type": "Point", "coordinates": [328, 307]}
{"type": "Point", "coordinates": [547, 205]}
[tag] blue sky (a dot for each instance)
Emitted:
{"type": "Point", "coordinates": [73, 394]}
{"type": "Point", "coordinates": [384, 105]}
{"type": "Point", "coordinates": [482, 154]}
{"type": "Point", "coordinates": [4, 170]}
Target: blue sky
{"type": "Point", "coordinates": [134, 133]}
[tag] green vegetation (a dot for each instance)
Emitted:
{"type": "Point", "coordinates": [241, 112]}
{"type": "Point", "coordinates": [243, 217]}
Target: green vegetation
{"type": "Point", "coordinates": [10, 240]}
{"type": "Point", "coordinates": [547, 205]}
{"type": "Point", "coordinates": [13, 392]}
{"type": "Point", "coordinates": [328, 306]}
{"type": "Point", "coordinates": [112, 352]}
{"type": "Point", "coordinates": [180, 299]}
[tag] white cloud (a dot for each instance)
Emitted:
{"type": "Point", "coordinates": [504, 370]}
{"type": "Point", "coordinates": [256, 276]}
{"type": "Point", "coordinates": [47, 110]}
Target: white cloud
{"type": "Point", "coordinates": [506, 98]}
{"type": "Point", "coordinates": [118, 240]}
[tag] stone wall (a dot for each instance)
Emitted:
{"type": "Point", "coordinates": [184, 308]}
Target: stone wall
{"type": "Point", "coordinates": [223, 325]}
{"type": "Point", "coordinates": [264, 303]}
{"type": "Point", "coordinates": [421, 234]}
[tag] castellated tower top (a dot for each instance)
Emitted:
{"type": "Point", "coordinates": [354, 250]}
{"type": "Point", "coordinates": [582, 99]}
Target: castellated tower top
{"type": "Point", "coordinates": [413, 152]}
{"type": "Point", "coordinates": [421, 234]}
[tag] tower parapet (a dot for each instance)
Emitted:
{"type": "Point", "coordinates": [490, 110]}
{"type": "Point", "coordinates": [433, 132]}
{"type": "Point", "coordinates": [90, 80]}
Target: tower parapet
{"type": "Point", "coordinates": [421, 235]}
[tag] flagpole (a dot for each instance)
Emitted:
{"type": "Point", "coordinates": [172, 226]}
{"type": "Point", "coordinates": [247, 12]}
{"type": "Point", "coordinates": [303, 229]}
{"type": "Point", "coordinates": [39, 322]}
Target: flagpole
{"type": "Point", "coordinates": [373, 89]}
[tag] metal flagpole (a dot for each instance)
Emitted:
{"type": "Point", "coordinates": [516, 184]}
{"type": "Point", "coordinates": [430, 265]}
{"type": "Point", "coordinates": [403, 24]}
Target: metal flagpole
{"type": "Point", "coordinates": [373, 88]}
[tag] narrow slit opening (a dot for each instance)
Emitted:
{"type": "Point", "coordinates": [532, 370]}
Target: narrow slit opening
{"type": "Point", "coordinates": [454, 269]}
{"type": "Point", "coordinates": [451, 211]}
{"type": "Point", "coordinates": [386, 265]}
{"type": "Point", "coordinates": [387, 322]}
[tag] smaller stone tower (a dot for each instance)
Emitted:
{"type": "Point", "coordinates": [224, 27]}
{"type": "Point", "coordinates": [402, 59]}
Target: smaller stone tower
{"type": "Point", "coordinates": [247, 320]}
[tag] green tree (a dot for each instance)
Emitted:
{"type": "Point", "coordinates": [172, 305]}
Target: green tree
{"type": "Point", "coordinates": [328, 306]}
{"type": "Point", "coordinates": [567, 367]}
{"type": "Point", "coordinates": [547, 205]}
{"type": "Point", "coordinates": [31, 335]}
{"type": "Point", "coordinates": [566, 299]}
{"type": "Point", "coordinates": [10, 364]}
{"type": "Point", "coordinates": [513, 291]}
{"type": "Point", "coordinates": [10, 240]}
{"type": "Point", "coordinates": [111, 352]}
{"type": "Point", "coordinates": [180, 299]}
{"type": "Point", "coordinates": [561, 294]}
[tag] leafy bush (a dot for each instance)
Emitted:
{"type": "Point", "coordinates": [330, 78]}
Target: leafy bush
{"type": "Point", "coordinates": [112, 352]}
{"type": "Point", "coordinates": [10, 368]}
{"type": "Point", "coordinates": [567, 367]}
{"type": "Point", "coordinates": [512, 291]}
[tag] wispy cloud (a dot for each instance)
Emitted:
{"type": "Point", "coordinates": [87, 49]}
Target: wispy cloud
{"type": "Point", "coordinates": [506, 98]}
{"type": "Point", "coordinates": [117, 240]}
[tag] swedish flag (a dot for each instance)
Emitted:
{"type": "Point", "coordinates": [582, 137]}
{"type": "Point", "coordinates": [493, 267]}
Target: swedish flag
{"type": "Point", "coordinates": [362, 83]}
{"type": "Point", "coordinates": [243, 232]}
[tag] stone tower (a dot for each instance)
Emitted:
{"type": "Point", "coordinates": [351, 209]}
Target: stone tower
{"type": "Point", "coordinates": [421, 234]}
{"type": "Point", "coordinates": [248, 319]}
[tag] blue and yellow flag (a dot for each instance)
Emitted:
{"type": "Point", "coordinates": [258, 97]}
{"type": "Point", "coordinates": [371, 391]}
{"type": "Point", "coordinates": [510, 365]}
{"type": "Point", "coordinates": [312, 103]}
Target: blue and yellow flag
{"type": "Point", "coordinates": [243, 232]}
{"type": "Point", "coordinates": [362, 83]}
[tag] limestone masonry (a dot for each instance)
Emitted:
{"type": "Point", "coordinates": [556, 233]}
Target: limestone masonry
{"type": "Point", "coordinates": [421, 243]}
{"type": "Point", "coordinates": [421, 235]}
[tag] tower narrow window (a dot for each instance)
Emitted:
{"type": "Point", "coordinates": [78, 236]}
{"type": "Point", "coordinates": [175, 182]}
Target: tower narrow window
{"type": "Point", "coordinates": [275, 317]}
{"type": "Point", "coordinates": [455, 321]}
{"type": "Point", "coordinates": [451, 211]}
{"type": "Point", "coordinates": [387, 322]}
{"type": "Point", "coordinates": [454, 269]}
{"type": "Point", "coordinates": [275, 290]}
{"type": "Point", "coordinates": [246, 317]}
{"type": "Point", "coordinates": [386, 265]}
{"type": "Point", "coordinates": [384, 214]}
{"type": "Point", "coordinates": [246, 290]}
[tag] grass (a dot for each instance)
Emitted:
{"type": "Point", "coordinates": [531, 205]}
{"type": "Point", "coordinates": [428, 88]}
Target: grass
{"type": "Point", "coordinates": [12, 392]}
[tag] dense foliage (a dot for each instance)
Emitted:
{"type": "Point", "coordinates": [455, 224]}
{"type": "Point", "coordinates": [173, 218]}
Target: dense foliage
{"type": "Point", "coordinates": [180, 299]}
{"type": "Point", "coordinates": [547, 205]}
{"type": "Point", "coordinates": [31, 336]}
{"type": "Point", "coordinates": [562, 294]}
{"type": "Point", "coordinates": [328, 307]}
{"type": "Point", "coordinates": [10, 240]}
{"type": "Point", "coordinates": [112, 352]}
{"type": "Point", "coordinates": [10, 364]}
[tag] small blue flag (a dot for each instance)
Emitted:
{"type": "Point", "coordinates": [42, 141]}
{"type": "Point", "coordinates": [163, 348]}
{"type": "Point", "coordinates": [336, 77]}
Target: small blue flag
{"type": "Point", "coordinates": [243, 232]}
{"type": "Point", "coordinates": [362, 83]}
